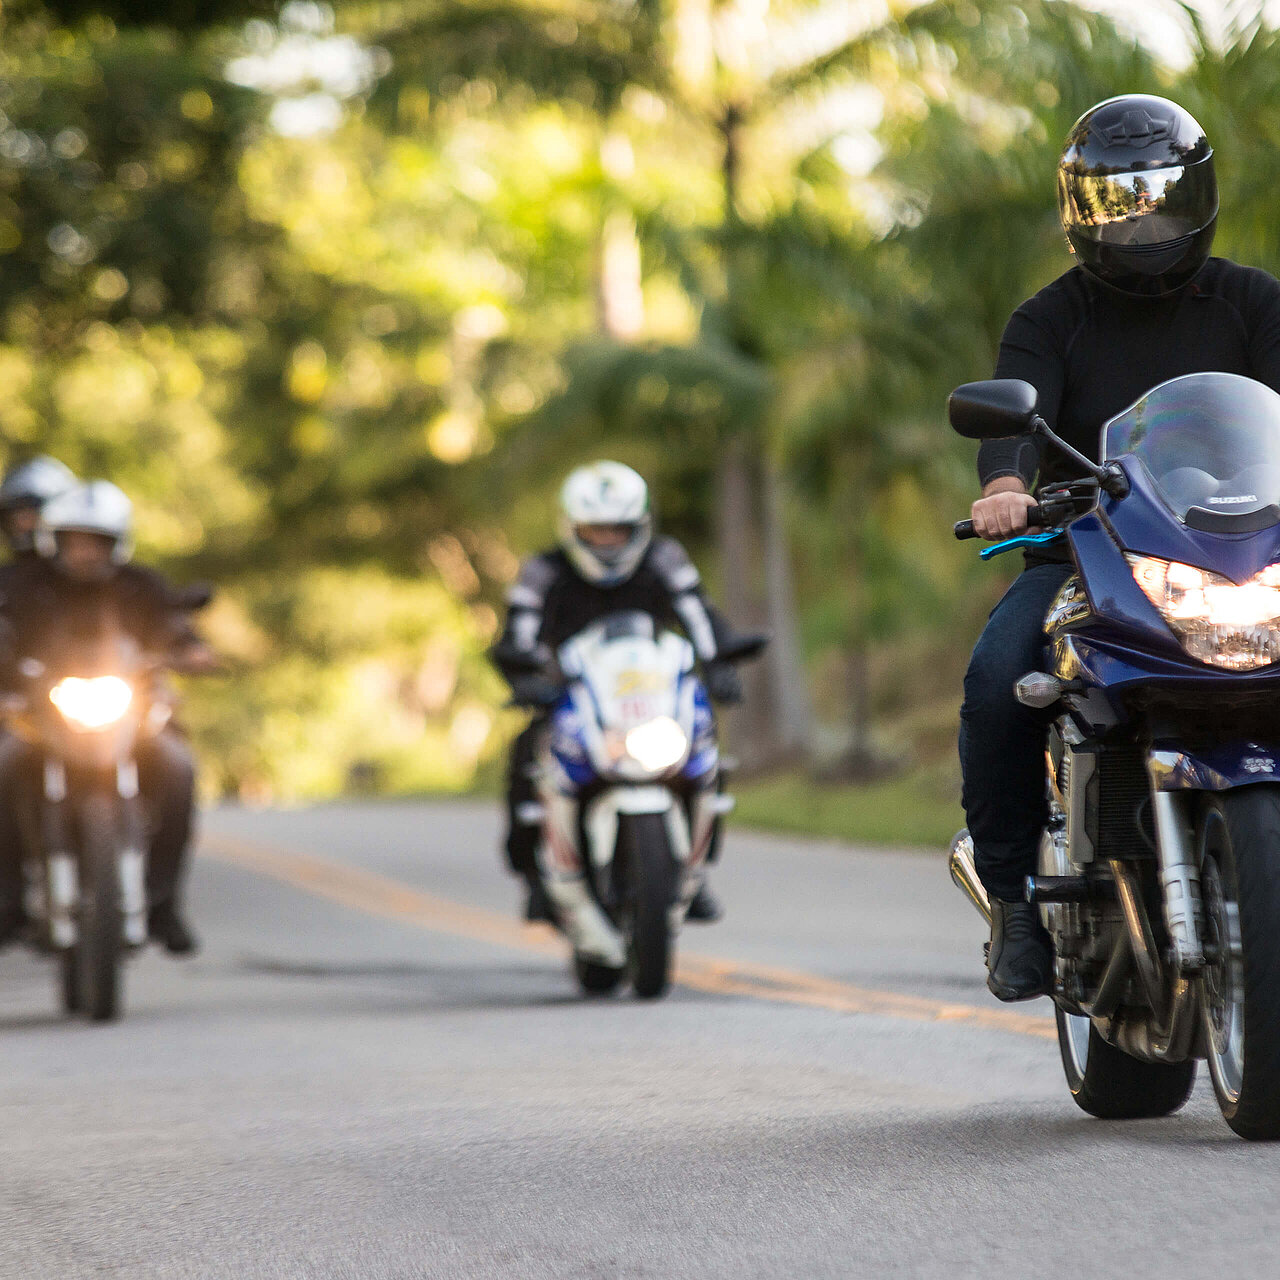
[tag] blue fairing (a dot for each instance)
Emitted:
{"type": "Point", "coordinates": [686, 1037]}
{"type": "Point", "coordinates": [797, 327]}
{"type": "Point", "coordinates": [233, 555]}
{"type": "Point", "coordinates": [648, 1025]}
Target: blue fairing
{"type": "Point", "coordinates": [569, 749]}
{"type": "Point", "coordinates": [568, 744]}
{"type": "Point", "coordinates": [1215, 768]}
{"type": "Point", "coordinates": [1127, 667]}
{"type": "Point", "coordinates": [1115, 665]}
{"type": "Point", "coordinates": [1144, 525]}
{"type": "Point", "coordinates": [704, 755]}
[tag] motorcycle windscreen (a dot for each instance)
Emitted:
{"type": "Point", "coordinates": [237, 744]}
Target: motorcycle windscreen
{"type": "Point", "coordinates": [1211, 443]}
{"type": "Point", "coordinates": [632, 668]}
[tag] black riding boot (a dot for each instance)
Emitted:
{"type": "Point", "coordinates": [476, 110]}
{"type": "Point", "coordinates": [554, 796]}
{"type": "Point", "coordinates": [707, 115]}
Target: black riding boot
{"type": "Point", "coordinates": [1020, 955]}
{"type": "Point", "coordinates": [166, 773]}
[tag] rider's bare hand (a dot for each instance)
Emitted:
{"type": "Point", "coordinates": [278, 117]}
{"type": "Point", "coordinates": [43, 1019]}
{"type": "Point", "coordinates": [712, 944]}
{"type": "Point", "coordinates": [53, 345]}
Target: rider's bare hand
{"type": "Point", "coordinates": [1001, 512]}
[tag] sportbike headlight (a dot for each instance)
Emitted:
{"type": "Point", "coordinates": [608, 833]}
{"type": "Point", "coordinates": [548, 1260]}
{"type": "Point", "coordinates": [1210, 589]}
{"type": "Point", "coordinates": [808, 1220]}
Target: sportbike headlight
{"type": "Point", "coordinates": [657, 744]}
{"type": "Point", "coordinates": [91, 704]}
{"type": "Point", "coordinates": [1224, 623]}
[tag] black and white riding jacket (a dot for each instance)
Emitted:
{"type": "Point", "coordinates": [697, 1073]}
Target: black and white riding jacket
{"type": "Point", "coordinates": [550, 602]}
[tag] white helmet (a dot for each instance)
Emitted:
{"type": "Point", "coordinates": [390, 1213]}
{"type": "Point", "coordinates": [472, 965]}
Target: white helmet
{"type": "Point", "coordinates": [33, 483]}
{"type": "Point", "coordinates": [605, 494]}
{"type": "Point", "coordinates": [24, 490]}
{"type": "Point", "coordinates": [97, 506]}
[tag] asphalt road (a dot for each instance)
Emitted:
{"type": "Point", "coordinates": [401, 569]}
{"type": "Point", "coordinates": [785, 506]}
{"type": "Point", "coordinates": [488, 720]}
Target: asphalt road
{"type": "Point", "coordinates": [373, 1071]}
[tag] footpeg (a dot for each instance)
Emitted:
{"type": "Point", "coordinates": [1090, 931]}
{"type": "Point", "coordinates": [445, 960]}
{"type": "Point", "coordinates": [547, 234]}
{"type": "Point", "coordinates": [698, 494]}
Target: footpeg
{"type": "Point", "coordinates": [1043, 889]}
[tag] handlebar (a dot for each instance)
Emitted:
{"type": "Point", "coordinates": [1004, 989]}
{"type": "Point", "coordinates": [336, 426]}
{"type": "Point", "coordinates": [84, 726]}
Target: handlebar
{"type": "Point", "coordinates": [1035, 516]}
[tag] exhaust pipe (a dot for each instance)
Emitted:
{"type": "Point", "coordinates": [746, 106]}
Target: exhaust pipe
{"type": "Point", "coordinates": [965, 875]}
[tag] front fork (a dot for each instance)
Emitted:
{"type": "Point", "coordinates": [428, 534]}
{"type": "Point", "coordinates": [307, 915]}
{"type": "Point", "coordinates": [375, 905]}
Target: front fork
{"type": "Point", "coordinates": [132, 856]}
{"type": "Point", "coordinates": [62, 875]}
{"type": "Point", "coordinates": [691, 841]}
{"type": "Point", "coordinates": [1179, 874]}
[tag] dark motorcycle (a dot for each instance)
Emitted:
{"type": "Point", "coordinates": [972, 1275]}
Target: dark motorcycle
{"type": "Point", "coordinates": [80, 715]}
{"type": "Point", "coordinates": [1160, 866]}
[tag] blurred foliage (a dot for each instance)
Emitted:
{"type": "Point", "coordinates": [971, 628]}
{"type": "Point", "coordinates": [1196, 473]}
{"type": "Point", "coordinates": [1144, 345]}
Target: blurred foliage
{"type": "Point", "coordinates": [181, 15]}
{"type": "Point", "coordinates": [339, 294]}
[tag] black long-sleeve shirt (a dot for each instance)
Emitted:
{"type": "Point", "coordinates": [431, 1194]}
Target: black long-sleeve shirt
{"type": "Point", "coordinates": [550, 602]}
{"type": "Point", "coordinates": [1091, 352]}
{"type": "Point", "coordinates": [43, 611]}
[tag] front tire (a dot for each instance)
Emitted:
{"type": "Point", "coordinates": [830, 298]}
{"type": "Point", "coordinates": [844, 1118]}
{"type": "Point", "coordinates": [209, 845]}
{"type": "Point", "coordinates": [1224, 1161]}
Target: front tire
{"type": "Point", "coordinates": [651, 889]}
{"type": "Point", "coordinates": [1240, 880]}
{"type": "Point", "coordinates": [98, 943]}
{"type": "Point", "coordinates": [1110, 1084]}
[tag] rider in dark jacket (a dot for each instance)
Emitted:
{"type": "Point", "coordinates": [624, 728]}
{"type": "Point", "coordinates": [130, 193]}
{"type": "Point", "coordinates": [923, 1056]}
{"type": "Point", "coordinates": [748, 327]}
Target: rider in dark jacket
{"type": "Point", "coordinates": [23, 492]}
{"type": "Point", "coordinates": [1138, 201]}
{"type": "Point", "coordinates": [608, 561]}
{"type": "Point", "coordinates": [79, 584]}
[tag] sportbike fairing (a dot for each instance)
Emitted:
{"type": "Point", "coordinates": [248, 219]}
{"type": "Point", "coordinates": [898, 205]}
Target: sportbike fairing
{"type": "Point", "coordinates": [1187, 564]}
{"type": "Point", "coordinates": [634, 711]}
{"type": "Point", "coordinates": [1182, 620]}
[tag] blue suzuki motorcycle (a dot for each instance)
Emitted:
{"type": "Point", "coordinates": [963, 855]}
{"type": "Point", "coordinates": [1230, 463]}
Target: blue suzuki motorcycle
{"type": "Point", "coordinates": [1160, 867]}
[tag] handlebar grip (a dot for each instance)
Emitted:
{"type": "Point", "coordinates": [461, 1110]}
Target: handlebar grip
{"type": "Point", "coordinates": [963, 529]}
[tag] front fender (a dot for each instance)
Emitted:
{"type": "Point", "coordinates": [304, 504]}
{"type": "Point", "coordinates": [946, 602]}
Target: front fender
{"type": "Point", "coordinates": [601, 819]}
{"type": "Point", "coordinates": [1235, 764]}
{"type": "Point", "coordinates": [641, 799]}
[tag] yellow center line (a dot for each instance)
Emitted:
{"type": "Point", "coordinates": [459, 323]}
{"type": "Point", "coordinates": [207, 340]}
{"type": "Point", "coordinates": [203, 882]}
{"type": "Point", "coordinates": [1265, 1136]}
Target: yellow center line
{"type": "Point", "coordinates": [379, 895]}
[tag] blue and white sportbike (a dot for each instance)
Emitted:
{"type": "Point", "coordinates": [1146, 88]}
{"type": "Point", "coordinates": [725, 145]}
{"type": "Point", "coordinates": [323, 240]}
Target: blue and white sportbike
{"type": "Point", "coordinates": [1160, 866]}
{"type": "Point", "coordinates": [630, 797]}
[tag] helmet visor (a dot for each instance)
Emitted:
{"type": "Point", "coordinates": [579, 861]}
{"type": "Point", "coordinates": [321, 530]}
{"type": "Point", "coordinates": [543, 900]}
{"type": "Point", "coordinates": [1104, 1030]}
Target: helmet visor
{"type": "Point", "coordinates": [608, 543]}
{"type": "Point", "coordinates": [1149, 208]}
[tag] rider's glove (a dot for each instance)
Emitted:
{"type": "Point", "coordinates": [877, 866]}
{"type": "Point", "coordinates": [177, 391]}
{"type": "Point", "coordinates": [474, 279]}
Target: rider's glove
{"type": "Point", "coordinates": [536, 691]}
{"type": "Point", "coordinates": [723, 683]}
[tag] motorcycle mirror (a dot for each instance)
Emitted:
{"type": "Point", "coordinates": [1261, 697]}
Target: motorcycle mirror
{"type": "Point", "coordinates": [993, 409]}
{"type": "Point", "coordinates": [740, 648]}
{"type": "Point", "coordinates": [519, 661]}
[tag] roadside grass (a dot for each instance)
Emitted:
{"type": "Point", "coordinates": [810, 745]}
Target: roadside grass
{"type": "Point", "coordinates": [921, 808]}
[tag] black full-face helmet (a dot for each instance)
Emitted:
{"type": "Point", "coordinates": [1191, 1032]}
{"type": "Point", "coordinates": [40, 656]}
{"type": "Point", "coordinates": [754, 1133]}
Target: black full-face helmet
{"type": "Point", "coordinates": [1137, 194]}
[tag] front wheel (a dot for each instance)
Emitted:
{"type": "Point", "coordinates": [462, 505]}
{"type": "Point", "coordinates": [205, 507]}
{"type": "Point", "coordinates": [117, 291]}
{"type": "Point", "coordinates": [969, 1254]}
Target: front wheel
{"type": "Point", "coordinates": [1240, 884]}
{"type": "Point", "coordinates": [1110, 1084]}
{"type": "Point", "coordinates": [98, 942]}
{"type": "Point", "coordinates": [651, 890]}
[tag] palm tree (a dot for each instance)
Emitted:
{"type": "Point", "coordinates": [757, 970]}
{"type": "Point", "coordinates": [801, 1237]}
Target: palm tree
{"type": "Point", "coordinates": [743, 99]}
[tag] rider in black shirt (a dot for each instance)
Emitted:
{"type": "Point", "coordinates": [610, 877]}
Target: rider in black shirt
{"type": "Point", "coordinates": [23, 492]}
{"type": "Point", "coordinates": [1138, 201]}
{"type": "Point", "coordinates": [79, 585]}
{"type": "Point", "coordinates": [608, 561]}
{"type": "Point", "coordinates": [1091, 351]}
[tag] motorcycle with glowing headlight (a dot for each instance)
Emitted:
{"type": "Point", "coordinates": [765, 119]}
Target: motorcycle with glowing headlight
{"type": "Point", "coordinates": [81, 715]}
{"type": "Point", "coordinates": [1159, 873]}
{"type": "Point", "coordinates": [629, 780]}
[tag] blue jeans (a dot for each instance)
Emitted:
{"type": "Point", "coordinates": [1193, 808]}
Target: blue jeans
{"type": "Point", "coordinates": [1001, 741]}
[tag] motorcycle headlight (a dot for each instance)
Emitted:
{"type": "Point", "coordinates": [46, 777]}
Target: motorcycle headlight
{"type": "Point", "coordinates": [91, 704]}
{"type": "Point", "coordinates": [657, 744]}
{"type": "Point", "coordinates": [1224, 623]}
